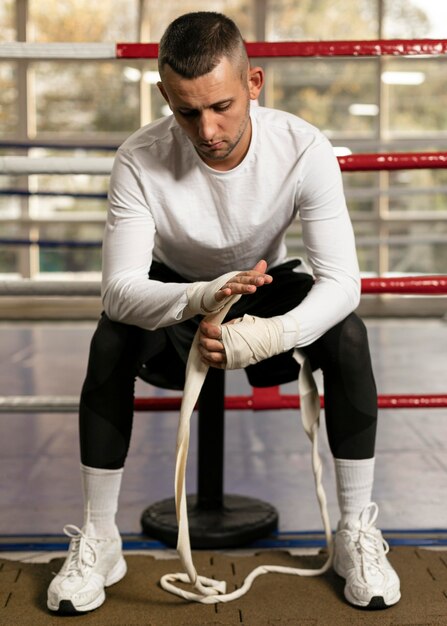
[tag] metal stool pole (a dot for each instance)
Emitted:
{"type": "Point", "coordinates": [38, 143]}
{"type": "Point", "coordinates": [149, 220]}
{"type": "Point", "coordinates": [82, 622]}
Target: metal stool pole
{"type": "Point", "coordinates": [216, 520]}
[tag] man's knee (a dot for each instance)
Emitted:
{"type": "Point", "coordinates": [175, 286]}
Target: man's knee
{"type": "Point", "coordinates": [343, 347]}
{"type": "Point", "coordinates": [354, 337]}
{"type": "Point", "coordinates": [115, 348]}
{"type": "Point", "coordinates": [355, 367]}
{"type": "Point", "coordinates": [109, 338]}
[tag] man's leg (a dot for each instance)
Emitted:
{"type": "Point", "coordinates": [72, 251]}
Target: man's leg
{"type": "Point", "coordinates": [95, 560]}
{"type": "Point", "coordinates": [351, 421]}
{"type": "Point", "coordinates": [351, 410]}
{"type": "Point", "coordinates": [117, 352]}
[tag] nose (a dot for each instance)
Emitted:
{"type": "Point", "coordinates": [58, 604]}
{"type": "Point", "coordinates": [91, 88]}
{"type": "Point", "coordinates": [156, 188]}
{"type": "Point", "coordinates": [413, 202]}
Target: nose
{"type": "Point", "coordinates": [207, 125]}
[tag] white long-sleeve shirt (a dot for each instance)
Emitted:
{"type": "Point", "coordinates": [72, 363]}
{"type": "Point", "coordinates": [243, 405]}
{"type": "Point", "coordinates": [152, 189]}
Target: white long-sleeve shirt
{"type": "Point", "coordinates": [166, 204]}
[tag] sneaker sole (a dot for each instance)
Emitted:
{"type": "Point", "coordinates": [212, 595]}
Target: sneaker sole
{"type": "Point", "coordinates": [66, 607]}
{"type": "Point", "coordinates": [376, 603]}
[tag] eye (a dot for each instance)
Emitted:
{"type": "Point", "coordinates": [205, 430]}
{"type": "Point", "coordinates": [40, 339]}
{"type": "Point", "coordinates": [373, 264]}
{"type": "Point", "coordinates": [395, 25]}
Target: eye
{"type": "Point", "coordinates": [187, 112]}
{"type": "Point", "coordinates": [223, 106]}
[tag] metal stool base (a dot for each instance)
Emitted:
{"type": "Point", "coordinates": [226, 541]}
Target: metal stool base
{"type": "Point", "coordinates": [240, 521]}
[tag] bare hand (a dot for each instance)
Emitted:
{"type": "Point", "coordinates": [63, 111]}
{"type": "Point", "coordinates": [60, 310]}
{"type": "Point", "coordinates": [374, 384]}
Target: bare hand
{"type": "Point", "coordinates": [245, 282]}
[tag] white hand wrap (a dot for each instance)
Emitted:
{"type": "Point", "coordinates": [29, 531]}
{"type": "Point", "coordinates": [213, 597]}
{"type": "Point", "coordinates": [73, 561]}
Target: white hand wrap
{"type": "Point", "coordinates": [251, 339]}
{"type": "Point", "coordinates": [201, 295]}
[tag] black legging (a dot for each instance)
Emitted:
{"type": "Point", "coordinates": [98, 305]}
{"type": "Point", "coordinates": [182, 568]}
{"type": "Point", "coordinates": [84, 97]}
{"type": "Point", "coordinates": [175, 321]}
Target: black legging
{"type": "Point", "coordinates": [121, 352]}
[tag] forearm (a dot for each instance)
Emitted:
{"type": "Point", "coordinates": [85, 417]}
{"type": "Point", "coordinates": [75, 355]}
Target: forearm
{"type": "Point", "coordinates": [326, 304]}
{"type": "Point", "coordinates": [145, 303]}
{"type": "Point", "coordinates": [152, 304]}
{"type": "Point", "coordinates": [131, 297]}
{"type": "Point", "coordinates": [128, 295]}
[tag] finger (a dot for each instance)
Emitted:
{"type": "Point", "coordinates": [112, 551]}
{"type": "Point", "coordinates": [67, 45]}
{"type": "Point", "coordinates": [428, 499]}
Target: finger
{"type": "Point", "coordinates": [261, 266]}
{"type": "Point", "coordinates": [245, 282]}
{"type": "Point", "coordinates": [211, 331]}
{"type": "Point", "coordinates": [212, 358]}
{"type": "Point", "coordinates": [217, 366]}
{"type": "Point", "coordinates": [242, 284]}
{"type": "Point", "coordinates": [249, 278]}
{"type": "Point", "coordinates": [211, 345]}
{"type": "Point", "coordinates": [234, 289]}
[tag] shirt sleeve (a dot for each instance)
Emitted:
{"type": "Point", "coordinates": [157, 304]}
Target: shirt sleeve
{"type": "Point", "coordinates": [329, 242]}
{"type": "Point", "coordinates": [128, 294]}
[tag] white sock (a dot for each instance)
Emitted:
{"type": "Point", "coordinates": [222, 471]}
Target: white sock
{"type": "Point", "coordinates": [354, 487]}
{"type": "Point", "coordinates": [101, 488]}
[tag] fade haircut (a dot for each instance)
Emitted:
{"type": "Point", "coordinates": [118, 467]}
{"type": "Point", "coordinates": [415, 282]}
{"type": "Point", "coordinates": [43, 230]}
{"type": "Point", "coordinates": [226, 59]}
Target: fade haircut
{"type": "Point", "coordinates": [194, 44]}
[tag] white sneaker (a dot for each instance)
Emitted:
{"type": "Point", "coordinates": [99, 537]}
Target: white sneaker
{"type": "Point", "coordinates": [360, 558]}
{"type": "Point", "coordinates": [92, 564]}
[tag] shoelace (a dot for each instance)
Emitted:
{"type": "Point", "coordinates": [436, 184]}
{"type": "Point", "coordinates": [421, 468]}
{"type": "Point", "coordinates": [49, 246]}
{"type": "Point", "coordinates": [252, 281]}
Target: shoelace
{"type": "Point", "coordinates": [372, 546]}
{"type": "Point", "coordinates": [82, 551]}
{"type": "Point", "coordinates": [207, 590]}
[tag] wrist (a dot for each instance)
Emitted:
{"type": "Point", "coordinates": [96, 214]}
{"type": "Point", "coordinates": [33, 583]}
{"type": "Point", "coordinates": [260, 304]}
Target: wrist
{"type": "Point", "coordinates": [202, 295]}
{"type": "Point", "coordinates": [290, 330]}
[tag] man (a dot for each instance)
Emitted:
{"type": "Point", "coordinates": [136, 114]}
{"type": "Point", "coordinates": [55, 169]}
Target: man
{"type": "Point", "coordinates": [202, 200]}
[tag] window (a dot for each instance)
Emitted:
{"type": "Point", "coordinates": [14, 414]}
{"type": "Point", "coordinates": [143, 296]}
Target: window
{"type": "Point", "coordinates": [87, 108]}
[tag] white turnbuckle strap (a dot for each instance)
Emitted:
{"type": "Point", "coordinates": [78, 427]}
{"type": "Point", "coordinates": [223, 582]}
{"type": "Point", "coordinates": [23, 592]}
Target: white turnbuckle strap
{"type": "Point", "coordinates": [207, 590]}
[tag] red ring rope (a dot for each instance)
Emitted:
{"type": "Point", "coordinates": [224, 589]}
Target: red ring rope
{"type": "Point", "coordinates": [393, 161]}
{"type": "Point", "coordinates": [376, 47]}
{"type": "Point", "coordinates": [269, 399]}
{"type": "Point", "coordinates": [424, 285]}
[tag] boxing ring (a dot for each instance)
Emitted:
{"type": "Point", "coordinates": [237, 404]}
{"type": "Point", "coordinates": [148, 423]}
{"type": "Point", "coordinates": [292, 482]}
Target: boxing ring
{"type": "Point", "coordinates": [261, 399]}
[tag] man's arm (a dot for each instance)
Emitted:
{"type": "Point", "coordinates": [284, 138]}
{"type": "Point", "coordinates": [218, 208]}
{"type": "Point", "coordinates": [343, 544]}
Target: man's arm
{"type": "Point", "coordinates": [129, 296]}
{"type": "Point", "coordinates": [328, 238]}
{"type": "Point", "coordinates": [329, 241]}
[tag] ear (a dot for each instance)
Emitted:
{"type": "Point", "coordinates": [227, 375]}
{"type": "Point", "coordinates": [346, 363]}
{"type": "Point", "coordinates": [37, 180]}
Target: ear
{"type": "Point", "coordinates": [163, 92]}
{"type": "Point", "coordinates": [255, 81]}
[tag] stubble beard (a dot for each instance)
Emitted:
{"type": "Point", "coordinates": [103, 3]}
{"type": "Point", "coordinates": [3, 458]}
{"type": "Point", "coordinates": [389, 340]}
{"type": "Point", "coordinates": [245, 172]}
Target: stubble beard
{"type": "Point", "coordinates": [231, 144]}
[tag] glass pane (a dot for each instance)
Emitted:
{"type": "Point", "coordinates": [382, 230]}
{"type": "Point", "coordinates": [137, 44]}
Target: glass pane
{"type": "Point", "coordinates": [361, 191]}
{"type": "Point", "coordinates": [85, 97]}
{"type": "Point", "coordinates": [418, 190]}
{"type": "Point", "coordinates": [73, 257]}
{"type": "Point", "coordinates": [144, 76]}
{"type": "Point", "coordinates": [9, 254]}
{"type": "Point", "coordinates": [159, 15]}
{"type": "Point", "coordinates": [9, 204]}
{"type": "Point", "coordinates": [360, 203]}
{"type": "Point", "coordinates": [83, 20]}
{"type": "Point", "coordinates": [58, 196]}
{"type": "Point", "coordinates": [7, 19]}
{"type": "Point", "coordinates": [339, 97]}
{"type": "Point", "coordinates": [308, 20]}
{"type": "Point", "coordinates": [416, 98]}
{"type": "Point", "coordinates": [9, 208]}
{"type": "Point", "coordinates": [8, 100]}
{"type": "Point", "coordinates": [116, 20]}
{"type": "Point", "coordinates": [418, 248]}
{"type": "Point", "coordinates": [415, 19]}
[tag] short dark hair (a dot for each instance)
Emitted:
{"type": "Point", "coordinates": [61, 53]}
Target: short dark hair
{"type": "Point", "coordinates": [194, 43]}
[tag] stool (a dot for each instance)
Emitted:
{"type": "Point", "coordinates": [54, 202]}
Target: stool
{"type": "Point", "coordinates": [216, 520]}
